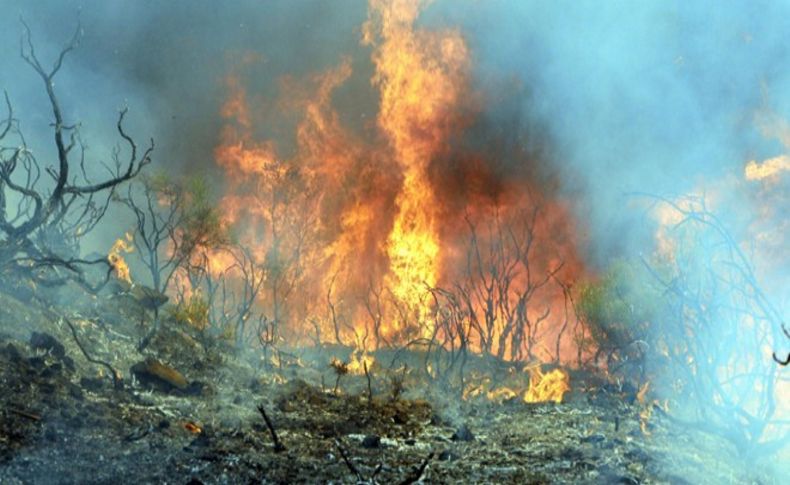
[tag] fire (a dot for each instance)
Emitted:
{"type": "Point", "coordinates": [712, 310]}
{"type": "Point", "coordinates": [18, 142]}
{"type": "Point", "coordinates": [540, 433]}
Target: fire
{"type": "Point", "coordinates": [360, 360]}
{"type": "Point", "coordinates": [550, 386]}
{"type": "Point", "coordinates": [121, 246]}
{"type": "Point", "coordinates": [354, 231]}
{"type": "Point", "coordinates": [501, 394]}
{"type": "Point", "coordinates": [420, 76]}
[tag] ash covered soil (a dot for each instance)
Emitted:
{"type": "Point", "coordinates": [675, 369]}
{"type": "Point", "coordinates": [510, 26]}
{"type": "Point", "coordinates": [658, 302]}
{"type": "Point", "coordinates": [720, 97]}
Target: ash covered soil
{"type": "Point", "coordinates": [189, 414]}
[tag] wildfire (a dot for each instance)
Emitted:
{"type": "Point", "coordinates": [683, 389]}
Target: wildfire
{"type": "Point", "coordinates": [354, 231]}
{"type": "Point", "coordinates": [420, 76]}
{"type": "Point", "coordinates": [121, 246]}
{"type": "Point", "coordinates": [550, 386]}
{"type": "Point", "coordinates": [360, 360]}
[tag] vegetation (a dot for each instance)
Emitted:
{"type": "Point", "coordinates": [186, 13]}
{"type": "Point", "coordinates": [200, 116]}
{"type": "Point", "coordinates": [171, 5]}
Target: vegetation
{"type": "Point", "coordinates": [48, 207]}
{"type": "Point", "coordinates": [691, 320]}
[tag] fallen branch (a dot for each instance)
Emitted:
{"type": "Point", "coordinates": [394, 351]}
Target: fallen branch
{"type": "Point", "coordinates": [416, 476]}
{"type": "Point", "coordinates": [278, 445]}
{"type": "Point", "coordinates": [346, 459]}
{"type": "Point", "coordinates": [116, 377]}
{"type": "Point", "coordinates": [370, 389]}
{"type": "Point", "coordinates": [24, 414]}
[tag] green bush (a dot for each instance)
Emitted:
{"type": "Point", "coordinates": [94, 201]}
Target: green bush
{"type": "Point", "coordinates": [193, 311]}
{"type": "Point", "coordinates": [620, 308]}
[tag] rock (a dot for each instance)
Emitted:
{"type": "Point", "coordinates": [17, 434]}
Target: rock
{"type": "Point", "coordinates": [197, 388]}
{"type": "Point", "coordinates": [463, 434]}
{"type": "Point", "coordinates": [12, 353]}
{"type": "Point", "coordinates": [47, 343]}
{"type": "Point", "coordinates": [594, 438]}
{"type": "Point", "coordinates": [371, 441]}
{"type": "Point", "coordinates": [154, 373]}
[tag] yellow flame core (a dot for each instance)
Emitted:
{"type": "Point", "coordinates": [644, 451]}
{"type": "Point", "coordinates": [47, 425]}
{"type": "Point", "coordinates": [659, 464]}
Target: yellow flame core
{"type": "Point", "coordinates": [360, 359]}
{"type": "Point", "coordinates": [115, 256]}
{"type": "Point", "coordinates": [550, 386]}
{"type": "Point", "coordinates": [420, 76]}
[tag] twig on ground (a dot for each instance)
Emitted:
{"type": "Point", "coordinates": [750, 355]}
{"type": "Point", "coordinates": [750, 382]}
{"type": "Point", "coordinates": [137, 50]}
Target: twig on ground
{"type": "Point", "coordinates": [346, 459]}
{"type": "Point", "coordinates": [116, 377]}
{"type": "Point", "coordinates": [278, 445]}
{"type": "Point", "coordinates": [24, 414]}
{"type": "Point", "coordinates": [418, 472]}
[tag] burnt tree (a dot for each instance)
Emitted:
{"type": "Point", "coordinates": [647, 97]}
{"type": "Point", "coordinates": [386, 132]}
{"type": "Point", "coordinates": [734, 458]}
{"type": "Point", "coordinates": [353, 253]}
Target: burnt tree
{"type": "Point", "coordinates": [46, 208]}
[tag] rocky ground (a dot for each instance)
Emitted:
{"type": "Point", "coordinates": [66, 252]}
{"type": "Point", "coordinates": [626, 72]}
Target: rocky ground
{"type": "Point", "coordinates": [188, 412]}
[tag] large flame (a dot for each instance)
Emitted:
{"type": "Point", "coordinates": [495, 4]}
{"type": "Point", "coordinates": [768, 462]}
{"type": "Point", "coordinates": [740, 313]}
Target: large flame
{"type": "Point", "coordinates": [353, 231]}
{"type": "Point", "coordinates": [549, 386]}
{"type": "Point", "coordinates": [420, 75]}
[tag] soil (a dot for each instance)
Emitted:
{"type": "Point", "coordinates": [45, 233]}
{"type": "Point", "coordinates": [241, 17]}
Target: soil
{"type": "Point", "coordinates": [63, 421]}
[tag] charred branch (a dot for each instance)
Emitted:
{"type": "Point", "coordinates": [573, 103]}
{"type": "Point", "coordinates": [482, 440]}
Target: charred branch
{"type": "Point", "coordinates": [418, 473]}
{"type": "Point", "coordinates": [787, 360]}
{"type": "Point", "coordinates": [348, 461]}
{"type": "Point", "coordinates": [278, 445]}
{"type": "Point", "coordinates": [51, 216]}
{"type": "Point", "coordinates": [24, 414]}
{"type": "Point", "coordinates": [116, 377]}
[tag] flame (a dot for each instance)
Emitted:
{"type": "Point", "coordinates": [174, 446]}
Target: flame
{"type": "Point", "coordinates": [644, 419]}
{"type": "Point", "coordinates": [420, 75]}
{"type": "Point", "coordinates": [359, 360]}
{"type": "Point", "coordinates": [365, 225]}
{"type": "Point", "coordinates": [501, 394]}
{"type": "Point", "coordinates": [550, 386]}
{"type": "Point", "coordinates": [115, 257]}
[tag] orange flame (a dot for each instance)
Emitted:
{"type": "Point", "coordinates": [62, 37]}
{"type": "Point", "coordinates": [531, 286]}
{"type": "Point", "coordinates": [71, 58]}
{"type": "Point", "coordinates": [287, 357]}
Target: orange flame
{"type": "Point", "coordinates": [550, 386]}
{"type": "Point", "coordinates": [366, 227]}
{"type": "Point", "coordinates": [115, 257]}
{"type": "Point", "coordinates": [420, 75]}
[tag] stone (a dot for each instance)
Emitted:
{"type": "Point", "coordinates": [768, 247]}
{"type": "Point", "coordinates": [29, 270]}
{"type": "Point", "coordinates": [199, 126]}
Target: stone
{"type": "Point", "coordinates": [463, 434]}
{"type": "Point", "coordinates": [371, 441]}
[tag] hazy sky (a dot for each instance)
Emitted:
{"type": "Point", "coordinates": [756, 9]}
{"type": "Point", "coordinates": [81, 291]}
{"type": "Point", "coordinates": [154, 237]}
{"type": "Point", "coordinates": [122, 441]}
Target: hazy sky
{"type": "Point", "coordinates": [625, 95]}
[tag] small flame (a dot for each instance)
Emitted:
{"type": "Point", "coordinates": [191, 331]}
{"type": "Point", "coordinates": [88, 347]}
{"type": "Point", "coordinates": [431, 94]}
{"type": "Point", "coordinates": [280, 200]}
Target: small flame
{"type": "Point", "coordinates": [359, 359]}
{"type": "Point", "coordinates": [550, 386]}
{"type": "Point", "coordinates": [115, 257]}
{"type": "Point", "coordinates": [501, 394]}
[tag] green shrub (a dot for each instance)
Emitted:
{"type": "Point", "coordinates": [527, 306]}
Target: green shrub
{"type": "Point", "coordinates": [193, 311]}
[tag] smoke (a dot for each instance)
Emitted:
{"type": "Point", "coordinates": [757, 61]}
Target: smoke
{"type": "Point", "coordinates": [654, 96]}
{"type": "Point", "coordinates": [614, 97]}
{"type": "Point", "coordinates": [166, 62]}
{"type": "Point", "coordinates": [589, 101]}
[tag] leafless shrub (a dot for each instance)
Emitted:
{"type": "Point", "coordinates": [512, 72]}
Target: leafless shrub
{"type": "Point", "coordinates": [47, 208]}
